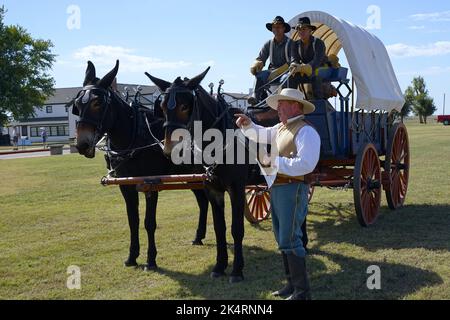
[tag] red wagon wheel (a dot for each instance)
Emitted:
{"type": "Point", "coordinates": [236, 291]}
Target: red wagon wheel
{"type": "Point", "coordinates": [397, 166]}
{"type": "Point", "coordinates": [367, 185]}
{"type": "Point", "coordinates": [258, 204]}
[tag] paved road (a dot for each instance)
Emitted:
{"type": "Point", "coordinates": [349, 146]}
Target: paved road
{"type": "Point", "coordinates": [29, 155]}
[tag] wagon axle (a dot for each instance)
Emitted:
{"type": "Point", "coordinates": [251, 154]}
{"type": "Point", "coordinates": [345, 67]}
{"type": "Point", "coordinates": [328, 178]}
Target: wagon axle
{"type": "Point", "coordinates": [373, 184]}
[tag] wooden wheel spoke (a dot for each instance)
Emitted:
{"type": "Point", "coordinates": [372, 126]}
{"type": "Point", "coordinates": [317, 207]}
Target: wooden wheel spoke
{"type": "Point", "coordinates": [264, 204]}
{"type": "Point", "coordinates": [251, 200]}
{"type": "Point", "coordinates": [258, 208]}
{"type": "Point", "coordinates": [254, 204]}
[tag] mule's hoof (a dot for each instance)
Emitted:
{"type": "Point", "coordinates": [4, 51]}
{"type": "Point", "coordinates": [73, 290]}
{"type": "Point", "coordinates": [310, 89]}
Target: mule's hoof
{"type": "Point", "coordinates": [216, 275]}
{"type": "Point", "coordinates": [150, 267]}
{"type": "Point", "coordinates": [236, 279]}
{"type": "Point", "coordinates": [197, 242]}
{"type": "Point", "coordinates": [130, 263]}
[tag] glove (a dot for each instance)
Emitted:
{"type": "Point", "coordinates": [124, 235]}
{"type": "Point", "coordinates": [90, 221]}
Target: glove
{"type": "Point", "coordinates": [294, 68]}
{"type": "Point", "coordinates": [306, 69]}
{"type": "Point", "coordinates": [303, 69]}
{"type": "Point", "coordinates": [256, 67]}
{"type": "Point", "coordinates": [334, 61]}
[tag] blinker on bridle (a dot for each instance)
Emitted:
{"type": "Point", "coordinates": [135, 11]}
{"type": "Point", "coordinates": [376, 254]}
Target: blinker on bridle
{"type": "Point", "coordinates": [83, 98]}
{"type": "Point", "coordinates": [172, 104]}
{"type": "Point", "coordinates": [172, 92]}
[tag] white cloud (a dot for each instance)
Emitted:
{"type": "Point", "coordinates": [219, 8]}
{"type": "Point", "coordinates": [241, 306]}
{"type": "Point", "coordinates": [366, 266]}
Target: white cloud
{"type": "Point", "coordinates": [105, 57]}
{"type": "Point", "coordinates": [431, 71]}
{"type": "Point", "coordinates": [401, 50]}
{"type": "Point", "coordinates": [438, 31]}
{"type": "Point", "coordinates": [433, 17]}
{"type": "Point", "coordinates": [209, 63]}
{"type": "Point", "coordinates": [416, 27]}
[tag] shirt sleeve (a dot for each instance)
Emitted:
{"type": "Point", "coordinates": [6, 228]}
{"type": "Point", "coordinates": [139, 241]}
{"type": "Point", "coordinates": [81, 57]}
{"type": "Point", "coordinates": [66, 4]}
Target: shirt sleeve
{"type": "Point", "coordinates": [259, 133]}
{"type": "Point", "coordinates": [307, 142]}
{"type": "Point", "coordinates": [264, 53]}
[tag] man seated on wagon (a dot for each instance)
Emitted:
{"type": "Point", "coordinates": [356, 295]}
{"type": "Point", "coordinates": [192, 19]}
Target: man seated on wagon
{"type": "Point", "coordinates": [307, 56]}
{"type": "Point", "coordinates": [298, 145]}
{"type": "Point", "coordinates": [277, 51]}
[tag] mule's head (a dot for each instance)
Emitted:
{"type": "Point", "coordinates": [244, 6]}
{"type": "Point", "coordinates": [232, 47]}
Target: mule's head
{"type": "Point", "coordinates": [92, 105]}
{"type": "Point", "coordinates": [178, 105]}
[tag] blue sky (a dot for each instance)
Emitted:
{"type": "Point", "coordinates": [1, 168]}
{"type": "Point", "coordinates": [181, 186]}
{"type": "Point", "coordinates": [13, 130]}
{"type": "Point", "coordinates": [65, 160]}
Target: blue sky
{"type": "Point", "coordinates": [180, 38]}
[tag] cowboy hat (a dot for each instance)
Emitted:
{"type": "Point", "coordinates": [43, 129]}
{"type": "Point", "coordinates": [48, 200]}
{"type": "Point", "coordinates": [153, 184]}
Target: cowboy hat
{"type": "Point", "coordinates": [305, 22]}
{"type": "Point", "coordinates": [292, 95]}
{"type": "Point", "coordinates": [279, 20]}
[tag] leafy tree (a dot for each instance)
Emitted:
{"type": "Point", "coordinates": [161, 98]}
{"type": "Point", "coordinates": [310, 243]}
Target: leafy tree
{"type": "Point", "coordinates": [427, 107]}
{"type": "Point", "coordinates": [24, 64]}
{"type": "Point", "coordinates": [417, 97]}
{"type": "Point", "coordinates": [409, 102]}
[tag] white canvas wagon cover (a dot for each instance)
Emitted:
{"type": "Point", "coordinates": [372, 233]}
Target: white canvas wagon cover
{"type": "Point", "coordinates": [369, 62]}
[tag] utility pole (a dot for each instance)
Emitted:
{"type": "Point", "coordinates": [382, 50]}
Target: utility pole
{"type": "Point", "coordinates": [443, 111]}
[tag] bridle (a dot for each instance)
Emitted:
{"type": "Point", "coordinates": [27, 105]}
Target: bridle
{"type": "Point", "coordinates": [172, 103]}
{"type": "Point", "coordinates": [83, 98]}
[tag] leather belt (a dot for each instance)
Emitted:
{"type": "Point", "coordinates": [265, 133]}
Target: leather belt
{"type": "Point", "coordinates": [287, 180]}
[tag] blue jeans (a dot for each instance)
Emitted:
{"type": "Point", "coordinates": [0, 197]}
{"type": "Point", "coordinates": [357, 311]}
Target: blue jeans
{"type": "Point", "coordinates": [262, 79]}
{"type": "Point", "coordinates": [289, 206]}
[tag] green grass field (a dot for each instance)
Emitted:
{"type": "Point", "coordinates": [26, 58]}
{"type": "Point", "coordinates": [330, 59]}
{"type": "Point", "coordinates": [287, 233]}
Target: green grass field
{"type": "Point", "coordinates": [54, 214]}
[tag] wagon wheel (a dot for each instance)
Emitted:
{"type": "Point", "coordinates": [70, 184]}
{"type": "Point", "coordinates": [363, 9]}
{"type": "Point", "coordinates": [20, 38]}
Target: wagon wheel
{"type": "Point", "coordinates": [258, 204]}
{"type": "Point", "coordinates": [310, 193]}
{"type": "Point", "coordinates": [367, 185]}
{"type": "Point", "coordinates": [397, 166]}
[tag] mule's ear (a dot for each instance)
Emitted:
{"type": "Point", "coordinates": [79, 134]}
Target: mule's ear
{"type": "Point", "coordinates": [161, 84]}
{"type": "Point", "coordinates": [194, 82]}
{"type": "Point", "coordinates": [107, 80]}
{"type": "Point", "coordinates": [90, 74]}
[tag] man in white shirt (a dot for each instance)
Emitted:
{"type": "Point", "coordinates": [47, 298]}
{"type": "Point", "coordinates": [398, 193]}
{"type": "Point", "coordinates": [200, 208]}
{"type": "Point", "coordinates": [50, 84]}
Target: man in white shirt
{"type": "Point", "coordinates": [298, 146]}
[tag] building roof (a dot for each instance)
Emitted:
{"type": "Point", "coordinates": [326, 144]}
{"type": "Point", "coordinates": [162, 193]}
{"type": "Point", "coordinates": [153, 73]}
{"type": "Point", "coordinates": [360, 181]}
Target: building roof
{"type": "Point", "coordinates": [238, 96]}
{"type": "Point", "coordinates": [46, 119]}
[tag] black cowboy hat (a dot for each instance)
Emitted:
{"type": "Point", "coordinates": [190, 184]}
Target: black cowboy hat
{"type": "Point", "coordinates": [305, 22]}
{"type": "Point", "coordinates": [278, 20]}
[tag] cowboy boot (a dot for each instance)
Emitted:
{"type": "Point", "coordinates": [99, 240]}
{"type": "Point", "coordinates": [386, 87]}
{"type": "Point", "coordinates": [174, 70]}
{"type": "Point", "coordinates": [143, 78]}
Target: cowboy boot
{"type": "Point", "coordinates": [299, 278]}
{"type": "Point", "coordinates": [288, 289]}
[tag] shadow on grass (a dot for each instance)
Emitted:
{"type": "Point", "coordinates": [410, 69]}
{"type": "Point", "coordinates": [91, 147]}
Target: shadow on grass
{"type": "Point", "coordinates": [263, 274]}
{"type": "Point", "coordinates": [413, 226]}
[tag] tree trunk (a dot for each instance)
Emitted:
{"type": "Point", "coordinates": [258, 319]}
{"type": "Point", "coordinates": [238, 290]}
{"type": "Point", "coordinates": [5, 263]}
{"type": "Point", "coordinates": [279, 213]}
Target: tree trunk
{"type": "Point", "coordinates": [420, 118]}
{"type": "Point", "coordinates": [425, 119]}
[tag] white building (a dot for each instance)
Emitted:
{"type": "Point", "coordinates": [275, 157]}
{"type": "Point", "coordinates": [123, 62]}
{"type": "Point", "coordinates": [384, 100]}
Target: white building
{"type": "Point", "coordinates": [59, 122]}
{"type": "Point", "coordinates": [56, 115]}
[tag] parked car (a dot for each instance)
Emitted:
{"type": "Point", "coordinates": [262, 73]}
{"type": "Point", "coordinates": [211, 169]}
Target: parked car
{"type": "Point", "coordinates": [444, 119]}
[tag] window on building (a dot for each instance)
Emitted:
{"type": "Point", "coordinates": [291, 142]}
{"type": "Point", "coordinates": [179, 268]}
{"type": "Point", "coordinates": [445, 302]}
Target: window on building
{"type": "Point", "coordinates": [34, 132]}
{"type": "Point", "coordinates": [53, 131]}
{"type": "Point", "coordinates": [49, 109]}
{"type": "Point", "coordinates": [61, 130]}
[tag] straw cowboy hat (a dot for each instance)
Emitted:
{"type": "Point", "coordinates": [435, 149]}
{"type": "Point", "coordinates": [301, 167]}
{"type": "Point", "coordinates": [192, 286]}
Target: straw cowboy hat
{"type": "Point", "coordinates": [278, 20]}
{"type": "Point", "coordinates": [292, 95]}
